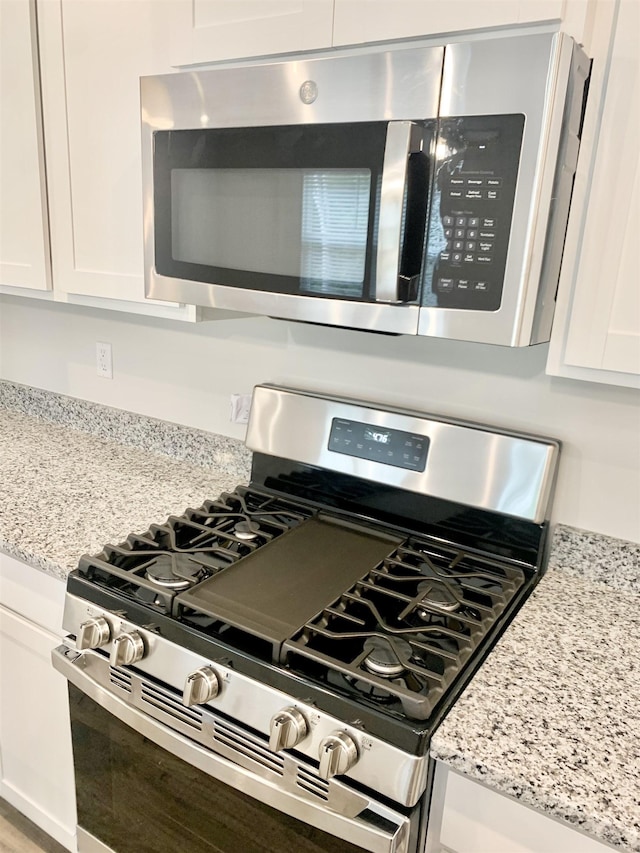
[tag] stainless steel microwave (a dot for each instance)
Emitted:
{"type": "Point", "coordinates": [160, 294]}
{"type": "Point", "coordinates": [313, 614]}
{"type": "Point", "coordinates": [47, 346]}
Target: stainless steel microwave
{"type": "Point", "coordinates": [416, 190]}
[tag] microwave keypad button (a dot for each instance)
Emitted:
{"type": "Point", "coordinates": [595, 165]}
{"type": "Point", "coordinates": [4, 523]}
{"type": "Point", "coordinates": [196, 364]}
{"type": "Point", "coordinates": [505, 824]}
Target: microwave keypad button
{"type": "Point", "coordinates": [494, 182]}
{"type": "Point", "coordinates": [455, 193]}
{"type": "Point", "coordinates": [456, 182]}
{"type": "Point", "coordinates": [469, 258]}
{"type": "Point", "coordinates": [470, 245]}
{"type": "Point", "coordinates": [445, 285]}
{"type": "Point", "coordinates": [472, 233]}
{"type": "Point", "coordinates": [445, 256]}
{"type": "Point", "coordinates": [493, 194]}
{"type": "Point", "coordinates": [458, 245]}
{"type": "Point", "coordinates": [481, 286]}
{"type": "Point", "coordinates": [475, 182]}
{"type": "Point", "coordinates": [456, 257]}
{"type": "Point", "coordinates": [484, 259]}
{"type": "Point", "coordinates": [463, 284]}
{"type": "Point", "coordinates": [459, 233]}
{"type": "Point", "coordinates": [473, 222]}
{"type": "Point", "coordinates": [448, 233]}
{"type": "Point", "coordinates": [488, 223]}
{"type": "Point", "coordinates": [486, 247]}
{"type": "Point", "coordinates": [461, 221]}
{"type": "Point", "coordinates": [475, 194]}
{"type": "Point", "coordinates": [447, 221]}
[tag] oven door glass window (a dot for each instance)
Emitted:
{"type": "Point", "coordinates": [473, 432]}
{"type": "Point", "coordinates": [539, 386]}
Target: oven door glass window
{"type": "Point", "coordinates": [285, 209]}
{"type": "Point", "coordinates": [135, 797]}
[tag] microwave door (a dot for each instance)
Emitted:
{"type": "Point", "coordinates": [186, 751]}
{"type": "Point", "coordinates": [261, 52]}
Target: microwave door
{"type": "Point", "coordinates": [304, 222]}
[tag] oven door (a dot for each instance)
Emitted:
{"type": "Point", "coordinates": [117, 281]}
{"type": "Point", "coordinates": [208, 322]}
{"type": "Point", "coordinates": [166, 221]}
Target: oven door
{"type": "Point", "coordinates": [144, 787]}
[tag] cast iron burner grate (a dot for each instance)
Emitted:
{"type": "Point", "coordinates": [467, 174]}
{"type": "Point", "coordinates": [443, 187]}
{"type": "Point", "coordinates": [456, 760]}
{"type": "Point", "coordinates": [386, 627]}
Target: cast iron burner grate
{"type": "Point", "coordinates": [154, 566]}
{"type": "Point", "coordinates": [401, 635]}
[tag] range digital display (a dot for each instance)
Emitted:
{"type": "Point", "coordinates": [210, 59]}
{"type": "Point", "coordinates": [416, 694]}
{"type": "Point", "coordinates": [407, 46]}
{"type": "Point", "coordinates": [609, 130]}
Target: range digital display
{"type": "Point", "coordinates": [378, 444]}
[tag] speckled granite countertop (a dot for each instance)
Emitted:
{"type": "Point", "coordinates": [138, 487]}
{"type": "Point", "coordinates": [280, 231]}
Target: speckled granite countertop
{"type": "Point", "coordinates": [76, 476]}
{"type": "Point", "coordinates": [551, 718]}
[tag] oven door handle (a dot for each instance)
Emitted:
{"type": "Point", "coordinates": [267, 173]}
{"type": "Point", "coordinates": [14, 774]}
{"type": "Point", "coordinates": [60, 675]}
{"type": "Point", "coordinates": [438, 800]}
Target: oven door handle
{"type": "Point", "coordinates": [393, 284]}
{"type": "Point", "coordinates": [72, 664]}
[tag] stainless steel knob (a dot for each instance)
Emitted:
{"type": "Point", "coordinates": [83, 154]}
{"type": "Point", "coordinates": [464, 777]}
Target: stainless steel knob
{"type": "Point", "coordinates": [338, 753]}
{"type": "Point", "coordinates": [93, 633]}
{"type": "Point", "coordinates": [287, 728]}
{"type": "Point", "coordinates": [126, 649]}
{"type": "Point", "coordinates": [201, 685]}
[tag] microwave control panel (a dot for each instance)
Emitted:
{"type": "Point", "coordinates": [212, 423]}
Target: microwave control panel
{"type": "Point", "coordinates": [473, 198]}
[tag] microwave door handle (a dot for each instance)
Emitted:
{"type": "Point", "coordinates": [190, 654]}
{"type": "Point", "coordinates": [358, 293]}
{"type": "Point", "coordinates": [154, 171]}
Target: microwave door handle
{"type": "Point", "coordinates": [403, 139]}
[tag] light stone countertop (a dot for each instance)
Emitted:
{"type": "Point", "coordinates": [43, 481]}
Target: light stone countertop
{"type": "Point", "coordinates": [553, 715]}
{"type": "Point", "coordinates": [66, 492]}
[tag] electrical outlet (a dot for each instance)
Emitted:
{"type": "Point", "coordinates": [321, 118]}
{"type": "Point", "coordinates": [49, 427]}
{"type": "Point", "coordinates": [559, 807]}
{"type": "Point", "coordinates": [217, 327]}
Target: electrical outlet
{"type": "Point", "coordinates": [104, 363]}
{"type": "Point", "coordinates": [240, 408]}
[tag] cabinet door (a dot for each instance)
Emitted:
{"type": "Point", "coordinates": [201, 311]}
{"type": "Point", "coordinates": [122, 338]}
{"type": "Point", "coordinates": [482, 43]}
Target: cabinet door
{"type": "Point", "coordinates": [92, 55]}
{"type": "Point", "coordinates": [475, 819]}
{"type": "Point", "coordinates": [211, 30]}
{"type": "Point", "coordinates": [596, 333]}
{"type": "Point", "coordinates": [24, 250]}
{"type": "Point", "coordinates": [35, 737]}
{"type": "Point", "coordinates": [358, 21]}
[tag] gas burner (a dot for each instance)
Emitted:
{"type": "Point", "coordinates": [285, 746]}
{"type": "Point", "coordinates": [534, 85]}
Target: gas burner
{"type": "Point", "coordinates": [246, 529]}
{"type": "Point", "coordinates": [436, 594]}
{"type": "Point", "coordinates": [173, 571]}
{"type": "Point", "coordinates": [383, 656]}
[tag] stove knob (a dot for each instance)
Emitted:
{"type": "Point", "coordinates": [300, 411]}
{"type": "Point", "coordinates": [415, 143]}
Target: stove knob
{"type": "Point", "coordinates": [338, 753]}
{"type": "Point", "coordinates": [201, 685]}
{"type": "Point", "coordinates": [93, 633]}
{"type": "Point", "coordinates": [287, 729]}
{"type": "Point", "coordinates": [127, 649]}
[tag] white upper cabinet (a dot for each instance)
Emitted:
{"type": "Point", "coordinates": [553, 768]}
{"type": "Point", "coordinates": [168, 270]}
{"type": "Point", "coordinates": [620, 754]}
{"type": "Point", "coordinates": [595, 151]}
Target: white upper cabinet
{"type": "Point", "coordinates": [24, 249]}
{"type": "Point", "coordinates": [358, 21]}
{"type": "Point", "coordinates": [596, 334]}
{"type": "Point", "coordinates": [92, 55]}
{"type": "Point", "coordinates": [213, 30]}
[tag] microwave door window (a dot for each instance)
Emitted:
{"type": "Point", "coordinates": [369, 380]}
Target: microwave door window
{"type": "Point", "coordinates": [305, 224]}
{"type": "Point", "coordinates": [335, 220]}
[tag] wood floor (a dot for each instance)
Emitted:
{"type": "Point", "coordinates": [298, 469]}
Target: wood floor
{"type": "Point", "coordinates": [19, 835]}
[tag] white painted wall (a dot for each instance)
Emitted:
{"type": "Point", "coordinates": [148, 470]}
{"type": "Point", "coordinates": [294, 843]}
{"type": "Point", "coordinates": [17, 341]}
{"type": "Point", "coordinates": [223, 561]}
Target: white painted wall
{"type": "Point", "coordinates": [186, 374]}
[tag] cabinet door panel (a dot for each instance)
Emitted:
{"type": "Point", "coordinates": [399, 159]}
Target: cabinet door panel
{"type": "Point", "coordinates": [597, 329]}
{"type": "Point", "coordinates": [476, 819]}
{"type": "Point", "coordinates": [358, 21]}
{"type": "Point", "coordinates": [24, 251]}
{"type": "Point", "coordinates": [92, 55]}
{"type": "Point", "coordinates": [35, 736]}
{"type": "Point", "coordinates": [211, 30]}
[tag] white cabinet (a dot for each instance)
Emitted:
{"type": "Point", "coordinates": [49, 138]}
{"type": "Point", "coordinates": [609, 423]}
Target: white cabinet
{"type": "Point", "coordinates": [92, 55]}
{"type": "Point", "coordinates": [475, 819]}
{"type": "Point", "coordinates": [36, 763]}
{"type": "Point", "coordinates": [596, 334]}
{"type": "Point", "coordinates": [213, 30]}
{"type": "Point", "coordinates": [358, 21]}
{"type": "Point", "coordinates": [24, 250]}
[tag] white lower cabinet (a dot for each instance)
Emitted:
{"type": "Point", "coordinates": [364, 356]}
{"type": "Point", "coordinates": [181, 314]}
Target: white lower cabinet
{"type": "Point", "coordinates": [36, 760]}
{"type": "Point", "coordinates": [475, 819]}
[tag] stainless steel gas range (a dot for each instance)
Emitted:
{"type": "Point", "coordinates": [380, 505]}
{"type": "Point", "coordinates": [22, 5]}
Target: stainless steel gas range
{"type": "Point", "coordinates": [265, 672]}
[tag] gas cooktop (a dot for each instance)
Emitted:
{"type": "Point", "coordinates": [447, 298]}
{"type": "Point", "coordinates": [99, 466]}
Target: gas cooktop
{"type": "Point", "coordinates": [372, 588]}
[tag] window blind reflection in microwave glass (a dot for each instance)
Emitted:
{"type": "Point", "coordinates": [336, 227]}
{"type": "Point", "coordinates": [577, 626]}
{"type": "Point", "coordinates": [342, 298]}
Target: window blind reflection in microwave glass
{"type": "Point", "coordinates": [310, 224]}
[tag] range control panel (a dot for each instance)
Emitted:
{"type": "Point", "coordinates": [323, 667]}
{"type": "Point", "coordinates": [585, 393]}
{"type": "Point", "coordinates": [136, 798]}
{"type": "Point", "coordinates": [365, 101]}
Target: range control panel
{"type": "Point", "coordinates": [473, 205]}
{"type": "Point", "coordinates": [379, 444]}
